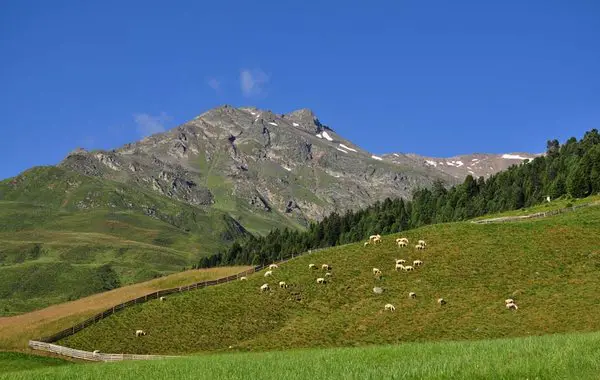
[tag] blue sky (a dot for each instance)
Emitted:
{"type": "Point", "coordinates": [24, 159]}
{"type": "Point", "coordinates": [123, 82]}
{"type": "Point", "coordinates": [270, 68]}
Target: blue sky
{"type": "Point", "coordinates": [437, 78]}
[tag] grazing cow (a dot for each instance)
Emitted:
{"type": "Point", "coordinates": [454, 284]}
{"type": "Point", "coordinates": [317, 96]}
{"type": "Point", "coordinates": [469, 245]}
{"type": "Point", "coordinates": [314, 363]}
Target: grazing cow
{"type": "Point", "coordinates": [162, 298]}
{"type": "Point", "coordinates": [320, 280]}
{"type": "Point", "coordinates": [140, 333]}
{"type": "Point", "coordinates": [512, 306]}
{"type": "Point", "coordinates": [273, 266]}
{"type": "Point", "coordinates": [282, 284]}
{"type": "Point", "coordinates": [412, 295]}
{"type": "Point", "coordinates": [312, 266]}
{"type": "Point", "coordinates": [441, 301]}
{"type": "Point", "coordinates": [325, 267]}
{"type": "Point", "coordinates": [268, 273]}
{"type": "Point", "coordinates": [389, 307]}
{"type": "Point", "coordinates": [417, 263]}
{"type": "Point", "coordinates": [264, 288]}
{"type": "Point", "coordinates": [243, 278]}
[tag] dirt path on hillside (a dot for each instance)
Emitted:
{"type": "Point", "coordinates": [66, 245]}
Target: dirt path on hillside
{"type": "Point", "coordinates": [542, 214]}
{"type": "Point", "coordinates": [17, 330]}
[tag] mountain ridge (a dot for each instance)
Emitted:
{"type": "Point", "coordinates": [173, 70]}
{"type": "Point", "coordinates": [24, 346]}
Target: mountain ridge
{"type": "Point", "coordinates": [292, 164]}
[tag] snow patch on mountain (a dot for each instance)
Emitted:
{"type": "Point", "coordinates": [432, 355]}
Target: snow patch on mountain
{"type": "Point", "coordinates": [347, 148]}
{"type": "Point", "coordinates": [513, 157]}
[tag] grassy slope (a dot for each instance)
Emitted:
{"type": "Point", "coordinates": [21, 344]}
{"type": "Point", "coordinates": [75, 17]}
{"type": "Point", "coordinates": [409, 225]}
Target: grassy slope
{"type": "Point", "coordinates": [58, 227]}
{"type": "Point", "coordinates": [554, 205]}
{"type": "Point", "coordinates": [11, 362]}
{"type": "Point", "coordinates": [572, 356]}
{"type": "Point", "coordinates": [550, 266]}
{"type": "Point", "coordinates": [16, 331]}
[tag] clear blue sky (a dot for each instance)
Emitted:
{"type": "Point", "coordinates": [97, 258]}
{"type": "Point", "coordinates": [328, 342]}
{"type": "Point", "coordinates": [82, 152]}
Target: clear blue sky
{"type": "Point", "coordinates": [436, 78]}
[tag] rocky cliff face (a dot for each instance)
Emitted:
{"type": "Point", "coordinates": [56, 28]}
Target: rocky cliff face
{"type": "Point", "coordinates": [249, 159]}
{"type": "Point", "coordinates": [477, 165]}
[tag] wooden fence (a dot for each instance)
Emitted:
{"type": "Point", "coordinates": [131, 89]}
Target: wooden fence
{"type": "Point", "coordinates": [44, 343]}
{"type": "Point", "coordinates": [86, 355]}
{"type": "Point", "coordinates": [542, 214]}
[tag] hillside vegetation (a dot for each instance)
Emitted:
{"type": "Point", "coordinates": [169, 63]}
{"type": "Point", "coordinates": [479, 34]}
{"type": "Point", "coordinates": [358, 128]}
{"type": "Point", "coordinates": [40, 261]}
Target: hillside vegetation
{"type": "Point", "coordinates": [16, 331]}
{"type": "Point", "coordinates": [64, 236]}
{"type": "Point", "coordinates": [549, 266]}
{"type": "Point", "coordinates": [11, 362]}
{"type": "Point", "coordinates": [570, 356]}
{"type": "Point", "coordinates": [566, 172]}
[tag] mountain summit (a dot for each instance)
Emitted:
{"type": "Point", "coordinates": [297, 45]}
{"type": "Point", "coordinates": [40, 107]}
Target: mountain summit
{"type": "Point", "coordinates": [267, 168]}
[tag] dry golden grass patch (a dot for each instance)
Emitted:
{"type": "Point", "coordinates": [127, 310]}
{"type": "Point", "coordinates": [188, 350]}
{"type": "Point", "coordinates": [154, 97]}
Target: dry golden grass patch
{"type": "Point", "coordinates": [16, 331]}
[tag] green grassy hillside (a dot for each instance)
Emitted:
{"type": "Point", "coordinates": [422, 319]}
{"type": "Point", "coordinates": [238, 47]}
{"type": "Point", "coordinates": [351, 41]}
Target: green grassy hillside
{"type": "Point", "coordinates": [65, 236]}
{"type": "Point", "coordinates": [570, 356]}
{"type": "Point", "coordinates": [12, 362]}
{"type": "Point", "coordinates": [16, 331]}
{"type": "Point", "coordinates": [549, 266]}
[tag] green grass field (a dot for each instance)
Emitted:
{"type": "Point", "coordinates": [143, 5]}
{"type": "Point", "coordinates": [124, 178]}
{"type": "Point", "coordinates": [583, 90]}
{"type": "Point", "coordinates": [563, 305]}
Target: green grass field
{"type": "Point", "coordinates": [549, 266]}
{"type": "Point", "coordinates": [556, 204]}
{"type": "Point", "coordinates": [16, 331]}
{"type": "Point", "coordinates": [11, 362]}
{"type": "Point", "coordinates": [571, 356]}
{"type": "Point", "coordinates": [70, 235]}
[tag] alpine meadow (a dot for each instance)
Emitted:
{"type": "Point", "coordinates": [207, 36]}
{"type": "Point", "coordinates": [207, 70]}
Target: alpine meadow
{"type": "Point", "coordinates": [308, 190]}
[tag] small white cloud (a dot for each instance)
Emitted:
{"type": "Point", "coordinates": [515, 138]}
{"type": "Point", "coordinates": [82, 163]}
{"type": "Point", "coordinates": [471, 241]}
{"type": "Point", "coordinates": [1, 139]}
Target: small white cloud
{"type": "Point", "coordinates": [148, 125]}
{"type": "Point", "coordinates": [214, 83]}
{"type": "Point", "coordinates": [252, 82]}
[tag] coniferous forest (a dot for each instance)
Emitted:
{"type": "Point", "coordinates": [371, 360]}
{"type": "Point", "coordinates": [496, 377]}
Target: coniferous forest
{"type": "Point", "coordinates": [571, 169]}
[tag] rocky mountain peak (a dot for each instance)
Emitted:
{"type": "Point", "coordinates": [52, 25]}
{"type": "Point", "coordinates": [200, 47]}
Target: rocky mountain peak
{"type": "Point", "coordinates": [273, 164]}
{"type": "Point", "coordinates": [77, 151]}
{"type": "Point", "coordinates": [305, 119]}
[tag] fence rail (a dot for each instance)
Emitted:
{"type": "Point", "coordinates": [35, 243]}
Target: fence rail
{"type": "Point", "coordinates": [542, 214]}
{"type": "Point", "coordinates": [45, 343]}
{"type": "Point", "coordinates": [91, 356]}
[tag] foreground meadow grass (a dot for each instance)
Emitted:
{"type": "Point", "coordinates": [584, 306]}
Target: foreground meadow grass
{"type": "Point", "coordinates": [572, 356]}
{"type": "Point", "coordinates": [16, 331]}
{"type": "Point", "coordinates": [16, 361]}
{"type": "Point", "coordinates": [549, 266]}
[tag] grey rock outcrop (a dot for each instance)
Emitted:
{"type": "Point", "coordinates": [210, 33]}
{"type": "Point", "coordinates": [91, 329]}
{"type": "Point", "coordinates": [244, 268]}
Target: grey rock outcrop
{"type": "Point", "coordinates": [290, 164]}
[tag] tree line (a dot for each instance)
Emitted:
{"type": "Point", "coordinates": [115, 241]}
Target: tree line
{"type": "Point", "coordinates": [571, 169]}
